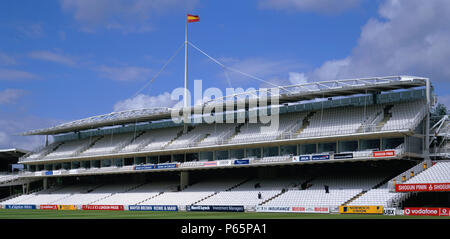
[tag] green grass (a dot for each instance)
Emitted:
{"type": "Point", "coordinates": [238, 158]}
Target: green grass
{"type": "Point", "coordinates": [79, 214]}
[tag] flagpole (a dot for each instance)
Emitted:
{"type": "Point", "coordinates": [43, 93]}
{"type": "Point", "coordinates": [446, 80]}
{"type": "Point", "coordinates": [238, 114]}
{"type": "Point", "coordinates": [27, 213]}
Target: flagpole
{"type": "Point", "coordinates": [185, 72]}
{"type": "Point", "coordinates": [185, 64]}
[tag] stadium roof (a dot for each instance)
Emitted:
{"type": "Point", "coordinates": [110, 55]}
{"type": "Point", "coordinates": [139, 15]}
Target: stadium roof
{"type": "Point", "coordinates": [12, 153]}
{"type": "Point", "coordinates": [286, 94]}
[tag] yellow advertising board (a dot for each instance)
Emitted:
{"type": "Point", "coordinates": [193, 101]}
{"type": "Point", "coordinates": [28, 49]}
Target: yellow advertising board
{"type": "Point", "coordinates": [361, 209]}
{"type": "Point", "coordinates": [67, 207]}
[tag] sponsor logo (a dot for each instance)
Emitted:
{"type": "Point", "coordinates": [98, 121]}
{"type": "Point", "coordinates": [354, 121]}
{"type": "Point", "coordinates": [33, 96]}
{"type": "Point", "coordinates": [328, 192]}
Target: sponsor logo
{"type": "Point", "coordinates": [343, 156]}
{"type": "Point", "coordinates": [388, 153]}
{"type": "Point", "coordinates": [241, 161]}
{"type": "Point", "coordinates": [208, 164]}
{"type": "Point", "coordinates": [48, 207]}
{"type": "Point", "coordinates": [215, 208]}
{"type": "Point", "coordinates": [361, 209]}
{"type": "Point", "coordinates": [155, 166]}
{"type": "Point", "coordinates": [321, 157]}
{"type": "Point", "coordinates": [223, 162]}
{"type": "Point", "coordinates": [389, 211]}
{"type": "Point", "coordinates": [423, 187]}
{"type": "Point", "coordinates": [426, 211]}
{"type": "Point", "coordinates": [294, 209]}
{"type": "Point", "coordinates": [103, 207]}
{"type": "Point", "coordinates": [20, 206]}
{"type": "Point", "coordinates": [67, 207]}
{"type": "Point", "coordinates": [153, 208]}
{"type": "Point", "coordinates": [301, 158]}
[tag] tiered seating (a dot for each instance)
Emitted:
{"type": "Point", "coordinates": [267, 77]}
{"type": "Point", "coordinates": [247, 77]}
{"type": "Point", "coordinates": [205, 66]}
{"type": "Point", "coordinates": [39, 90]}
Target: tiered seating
{"type": "Point", "coordinates": [376, 197]}
{"type": "Point", "coordinates": [108, 144]}
{"type": "Point", "coordinates": [83, 197]}
{"type": "Point", "coordinates": [193, 193]}
{"type": "Point", "coordinates": [332, 121]}
{"type": "Point", "coordinates": [161, 137]}
{"type": "Point", "coordinates": [403, 115]}
{"type": "Point", "coordinates": [192, 137]}
{"type": "Point", "coordinates": [218, 134]}
{"type": "Point", "coordinates": [68, 148]}
{"type": "Point", "coordinates": [19, 200]}
{"type": "Point", "coordinates": [337, 121]}
{"type": "Point", "coordinates": [252, 131]}
{"type": "Point", "coordinates": [138, 195]}
{"type": "Point", "coordinates": [247, 193]}
{"type": "Point", "coordinates": [341, 189]}
{"type": "Point", "coordinates": [44, 196]}
{"type": "Point", "coordinates": [438, 173]}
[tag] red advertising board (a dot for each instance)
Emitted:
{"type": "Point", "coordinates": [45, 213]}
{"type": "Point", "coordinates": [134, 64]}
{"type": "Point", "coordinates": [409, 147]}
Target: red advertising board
{"type": "Point", "coordinates": [426, 211]}
{"type": "Point", "coordinates": [423, 187]}
{"type": "Point", "coordinates": [48, 207]}
{"type": "Point", "coordinates": [388, 153]}
{"type": "Point", "coordinates": [311, 210]}
{"type": "Point", "coordinates": [321, 209]}
{"type": "Point", "coordinates": [103, 207]}
{"type": "Point", "coordinates": [212, 163]}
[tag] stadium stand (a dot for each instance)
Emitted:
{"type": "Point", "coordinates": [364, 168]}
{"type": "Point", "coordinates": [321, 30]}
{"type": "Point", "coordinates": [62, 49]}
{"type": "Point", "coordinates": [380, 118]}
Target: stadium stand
{"type": "Point", "coordinates": [349, 143]}
{"type": "Point", "coordinates": [338, 121]}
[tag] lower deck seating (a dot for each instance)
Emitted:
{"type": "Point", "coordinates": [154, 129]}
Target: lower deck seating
{"type": "Point", "coordinates": [193, 193]}
{"type": "Point", "coordinates": [376, 197]}
{"type": "Point", "coordinates": [251, 193]}
{"type": "Point", "coordinates": [138, 195]}
{"type": "Point", "coordinates": [302, 190]}
{"type": "Point", "coordinates": [340, 190]}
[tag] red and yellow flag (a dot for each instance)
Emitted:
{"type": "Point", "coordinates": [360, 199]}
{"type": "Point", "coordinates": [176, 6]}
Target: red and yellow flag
{"type": "Point", "coordinates": [193, 18]}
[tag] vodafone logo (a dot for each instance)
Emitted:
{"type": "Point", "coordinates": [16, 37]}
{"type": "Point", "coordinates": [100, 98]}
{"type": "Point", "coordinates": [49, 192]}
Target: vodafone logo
{"type": "Point", "coordinates": [444, 212]}
{"type": "Point", "coordinates": [426, 211]}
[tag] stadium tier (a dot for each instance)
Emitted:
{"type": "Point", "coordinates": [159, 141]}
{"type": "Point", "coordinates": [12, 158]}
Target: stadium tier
{"type": "Point", "coordinates": [342, 143]}
{"type": "Point", "coordinates": [330, 122]}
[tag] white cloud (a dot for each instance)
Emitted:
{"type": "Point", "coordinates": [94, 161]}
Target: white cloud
{"type": "Point", "coordinates": [124, 73]}
{"type": "Point", "coordinates": [142, 101]}
{"type": "Point", "coordinates": [10, 95]}
{"type": "Point", "coordinates": [11, 125]}
{"type": "Point", "coordinates": [53, 57]}
{"type": "Point", "coordinates": [123, 15]}
{"type": "Point", "coordinates": [318, 6]}
{"type": "Point", "coordinates": [12, 75]}
{"type": "Point", "coordinates": [297, 78]}
{"type": "Point", "coordinates": [410, 37]}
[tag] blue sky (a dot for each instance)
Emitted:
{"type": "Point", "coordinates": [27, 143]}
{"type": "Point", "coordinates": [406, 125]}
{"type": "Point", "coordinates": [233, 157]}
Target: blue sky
{"type": "Point", "coordinates": [63, 60]}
